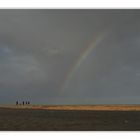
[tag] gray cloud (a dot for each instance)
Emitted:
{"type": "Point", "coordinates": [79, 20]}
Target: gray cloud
{"type": "Point", "coordinates": [38, 49]}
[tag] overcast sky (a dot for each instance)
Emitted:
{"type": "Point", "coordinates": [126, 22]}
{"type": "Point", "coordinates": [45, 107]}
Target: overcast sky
{"type": "Point", "coordinates": [70, 56]}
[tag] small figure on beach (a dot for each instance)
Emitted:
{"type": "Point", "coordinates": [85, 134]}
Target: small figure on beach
{"type": "Point", "coordinates": [16, 102]}
{"type": "Point", "coordinates": [23, 102]}
{"type": "Point", "coordinates": [28, 103]}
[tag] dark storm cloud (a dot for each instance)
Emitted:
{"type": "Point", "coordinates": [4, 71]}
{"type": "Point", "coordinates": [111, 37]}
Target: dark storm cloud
{"type": "Point", "coordinates": [39, 47]}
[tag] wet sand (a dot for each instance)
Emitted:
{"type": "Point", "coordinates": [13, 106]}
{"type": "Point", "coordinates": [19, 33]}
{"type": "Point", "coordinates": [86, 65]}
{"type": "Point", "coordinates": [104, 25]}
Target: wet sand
{"type": "Point", "coordinates": [28, 119]}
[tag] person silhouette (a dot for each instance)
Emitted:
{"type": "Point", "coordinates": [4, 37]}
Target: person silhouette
{"type": "Point", "coordinates": [16, 102]}
{"type": "Point", "coordinates": [26, 102]}
{"type": "Point", "coordinates": [23, 102]}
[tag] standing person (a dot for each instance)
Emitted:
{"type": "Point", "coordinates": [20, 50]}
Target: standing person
{"type": "Point", "coordinates": [28, 103]}
{"type": "Point", "coordinates": [23, 102]}
{"type": "Point", "coordinates": [16, 102]}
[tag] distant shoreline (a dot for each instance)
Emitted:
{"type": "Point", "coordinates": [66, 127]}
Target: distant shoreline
{"type": "Point", "coordinates": [76, 107]}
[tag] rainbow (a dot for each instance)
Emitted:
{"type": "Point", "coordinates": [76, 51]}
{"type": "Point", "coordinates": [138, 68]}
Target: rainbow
{"type": "Point", "coordinates": [97, 40]}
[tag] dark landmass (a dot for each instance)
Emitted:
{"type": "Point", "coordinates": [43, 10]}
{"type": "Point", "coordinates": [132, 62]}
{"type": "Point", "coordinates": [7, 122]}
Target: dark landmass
{"type": "Point", "coordinates": [68, 120]}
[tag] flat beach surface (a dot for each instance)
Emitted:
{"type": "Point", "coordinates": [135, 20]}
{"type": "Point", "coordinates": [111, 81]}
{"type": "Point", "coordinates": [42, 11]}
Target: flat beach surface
{"type": "Point", "coordinates": [70, 118]}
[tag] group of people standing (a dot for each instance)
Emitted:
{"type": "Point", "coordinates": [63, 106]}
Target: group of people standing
{"type": "Point", "coordinates": [23, 103]}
